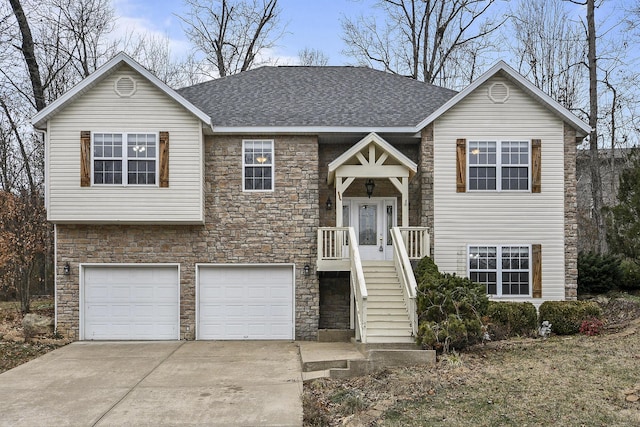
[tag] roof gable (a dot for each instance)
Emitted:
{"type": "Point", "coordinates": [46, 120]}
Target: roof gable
{"type": "Point", "coordinates": [503, 69]}
{"type": "Point", "coordinates": [40, 119]}
{"type": "Point", "coordinates": [356, 150]}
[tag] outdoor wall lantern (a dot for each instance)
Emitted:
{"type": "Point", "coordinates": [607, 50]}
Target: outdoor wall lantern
{"type": "Point", "coordinates": [67, 269]}
{"type": "Point", "coordinates": [329, 204]}
{"type": "Point", "coordinates": [306, 270]}
{"type": "Point", "coordinates": [370, 185]}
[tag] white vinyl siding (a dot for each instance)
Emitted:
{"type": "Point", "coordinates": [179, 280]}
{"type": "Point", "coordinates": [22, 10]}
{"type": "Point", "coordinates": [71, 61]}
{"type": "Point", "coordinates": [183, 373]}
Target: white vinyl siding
{"type": "Point", "coordinates": [149, 110]}
{"type": "Point", "coordinates": [513, 218]}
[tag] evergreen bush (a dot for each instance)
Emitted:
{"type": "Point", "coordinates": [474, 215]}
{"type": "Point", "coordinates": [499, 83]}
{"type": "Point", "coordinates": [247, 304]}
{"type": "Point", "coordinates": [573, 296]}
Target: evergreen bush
{"type": "Point", "coordinates": [566, 317]}
{"type": "Point", "coordinates": [598, 273]}
{"type": "Point", "coordinates": [450, 308]}
{"type": "Point", "coordinates": [508, 319]}
{"type": "Point", "coordinates": [630, 274]}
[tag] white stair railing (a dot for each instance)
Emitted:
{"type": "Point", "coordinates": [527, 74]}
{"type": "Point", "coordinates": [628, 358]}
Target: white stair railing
{"type": "Point", "coordinates": [332, 242]}
{"type": "Point", "coordinates": [407, 279]}
{"type": "Point", "coordinates": [416, 241]}
{"type": "Point", "coordinates": [359, 289]}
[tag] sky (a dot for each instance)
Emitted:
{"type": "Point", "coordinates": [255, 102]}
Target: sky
{"type": "Point", "coordinates": [309, 23]}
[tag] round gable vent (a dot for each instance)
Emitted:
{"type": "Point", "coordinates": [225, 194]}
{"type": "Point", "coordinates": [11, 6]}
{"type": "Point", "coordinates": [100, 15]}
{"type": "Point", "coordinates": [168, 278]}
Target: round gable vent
{"type": "Point", "coordinates": [499, 93]}
{"type": "Point", "coordinates": [125, 86]}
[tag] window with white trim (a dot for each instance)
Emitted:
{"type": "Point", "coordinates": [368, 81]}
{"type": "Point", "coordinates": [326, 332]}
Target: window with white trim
{"type": "Point", "coordinates": [257, 165]}
{"type": "Point", "coordinates": [125, 158]}
{"type": "Point", "coordinates": [508, 171]}
{"type": "Point", "coordinates": [504, 270]}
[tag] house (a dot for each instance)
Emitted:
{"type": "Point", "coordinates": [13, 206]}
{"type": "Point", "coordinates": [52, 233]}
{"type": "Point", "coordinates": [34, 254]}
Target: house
{"type": "Point", "coordinates": [286, 200]}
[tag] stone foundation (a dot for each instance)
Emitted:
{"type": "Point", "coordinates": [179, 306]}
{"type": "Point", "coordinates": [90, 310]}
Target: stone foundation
{"type": "Point", "coordinates": [334, 300]}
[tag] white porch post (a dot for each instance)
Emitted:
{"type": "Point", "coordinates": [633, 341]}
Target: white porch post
{"type": "Point", "coordinates": [405, 201]}
{"type": "Point", "coordinates": [338, 201]}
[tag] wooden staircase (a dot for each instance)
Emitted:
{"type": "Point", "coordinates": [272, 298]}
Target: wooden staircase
{"type": "Point", "coordinates": [387, 315]}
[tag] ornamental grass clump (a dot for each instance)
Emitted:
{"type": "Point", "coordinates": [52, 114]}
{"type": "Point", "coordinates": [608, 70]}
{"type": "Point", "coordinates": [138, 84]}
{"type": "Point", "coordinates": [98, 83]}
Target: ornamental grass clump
{"type": "Point", "coordinates": [450, 309]}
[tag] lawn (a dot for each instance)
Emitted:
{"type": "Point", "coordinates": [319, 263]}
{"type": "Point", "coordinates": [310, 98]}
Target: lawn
{"type": "Point", "coordinates": [562, 381]}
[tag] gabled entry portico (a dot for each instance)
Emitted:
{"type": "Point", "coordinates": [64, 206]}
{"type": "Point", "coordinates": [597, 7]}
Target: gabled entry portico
{"type": "Point", "coordinates": [367, 242]}
{"type": "Point", "coordinates": [371, 158]}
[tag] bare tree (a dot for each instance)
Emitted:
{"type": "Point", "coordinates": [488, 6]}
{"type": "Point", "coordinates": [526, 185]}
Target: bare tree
{"type": "Point", "coordinates": [232, 34]}
{"type": "Point", "coordinates": [27, 49]}
{"type": "Point", "coordinates": [310, 57]}
{"type": "Point", "coordinates": [83, 24]}
{"type": "Point", "coordinates": [46, 47]}
{"type": "Point", "coordinates": [423, 39]}
{"type": "Point", "coordinates": [549, 47]}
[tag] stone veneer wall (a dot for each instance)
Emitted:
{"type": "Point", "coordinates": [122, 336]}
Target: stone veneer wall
{"type": "Point", "coordinates": [240, 227]}
{"type": "Point", "coordinates": [334, 301]}
{"type": "Point", "coordinates": [425, 173]}
{"type": "Point", "coordinates": [570, 214]}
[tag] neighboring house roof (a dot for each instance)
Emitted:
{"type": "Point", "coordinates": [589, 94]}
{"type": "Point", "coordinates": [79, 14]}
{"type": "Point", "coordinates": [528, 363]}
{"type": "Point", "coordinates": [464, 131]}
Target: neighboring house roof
{"type": "Point", "coordinates": [42, 116]}
{"type": "Point", "coordinates": [505, 70]}
{"type": "Point", "coordinates": [328, 97]}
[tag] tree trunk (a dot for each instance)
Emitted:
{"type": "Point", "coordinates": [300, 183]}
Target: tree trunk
{"type": "Point", "coordinates": [28, 51]}
{"type": "Point", "coordinates": [596, 181]}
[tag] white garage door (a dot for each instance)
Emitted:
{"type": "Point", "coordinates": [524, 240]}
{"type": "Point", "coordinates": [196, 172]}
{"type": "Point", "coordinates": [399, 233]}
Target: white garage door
{"type": "Point", "coordinates": [245, 303]}
{"type": "Point", "coordinates": [131, 303]}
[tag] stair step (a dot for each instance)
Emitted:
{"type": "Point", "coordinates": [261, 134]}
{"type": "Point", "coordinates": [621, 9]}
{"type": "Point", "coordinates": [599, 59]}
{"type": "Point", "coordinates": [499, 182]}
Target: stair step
{"type": "Point", "coordinates": [382, 281]}
{"type": "Point", "coordinates": [387, 332]}
{"type": "Point", "coordinates": [391, 325]}
{"type": "Point", "coordinates": [400, 311]}
{"type": "Point", "coordinates": [383, 304]}
{"type": "Point", "coordinates": [380, 315]}
{"type": "Point", "coordinates": [386, 339]}
{"type": "Point", "coordinates": [385, 298]}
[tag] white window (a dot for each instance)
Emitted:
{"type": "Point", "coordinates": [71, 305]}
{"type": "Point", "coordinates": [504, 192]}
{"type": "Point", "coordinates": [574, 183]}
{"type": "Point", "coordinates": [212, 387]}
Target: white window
{"type": "Point", "coordinates": [508, 171]}
{"type": "Point", "coordinates": [125, 158]}
{"type": "Point", "coordinates": [257, 165]}
{"type": "Point", "coordinates": [504, 270]}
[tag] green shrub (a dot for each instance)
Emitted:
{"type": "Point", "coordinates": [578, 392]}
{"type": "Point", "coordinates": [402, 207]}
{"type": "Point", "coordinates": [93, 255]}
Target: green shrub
{"type": "Point", "coordinates": [598, 273]}
{"type": "Point", "coordinates": [508, 319]}
{"type": "Point", "coordinates": [566, 317]}
{"type": "Point", "coordinates": [630, 274]}
{"type": "Point", "coordinates": [450, 308]}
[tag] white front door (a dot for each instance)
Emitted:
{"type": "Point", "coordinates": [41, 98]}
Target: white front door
{"type": "Point", "coordinates": [372, 220]}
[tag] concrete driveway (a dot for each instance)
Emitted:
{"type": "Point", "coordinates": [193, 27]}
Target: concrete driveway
{"type": "Point", "coordinates": [156, 383]}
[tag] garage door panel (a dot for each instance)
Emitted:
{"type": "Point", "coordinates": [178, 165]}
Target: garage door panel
{"type": "Point", "coordinates": [245, 302]}
{"type": "Point", "coordinates": [131, 302]}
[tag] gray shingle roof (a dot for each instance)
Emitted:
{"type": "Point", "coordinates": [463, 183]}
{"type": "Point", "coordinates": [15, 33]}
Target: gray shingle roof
{"type": "Point", "coordinates": [316, 96]}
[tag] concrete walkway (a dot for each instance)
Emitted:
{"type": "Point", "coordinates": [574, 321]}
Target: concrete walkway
{"type": "Point", "coordinates": [155, 384]}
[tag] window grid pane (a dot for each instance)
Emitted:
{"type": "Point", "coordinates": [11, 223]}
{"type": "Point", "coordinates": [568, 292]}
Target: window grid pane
{"type": "Point", "coordinates": [109, 158]}
{"type": "Point", "coordinates": [483, 267]}
{"type": "Point", "coordinates": [107, 155]}
{"type": "Point", "coordinates": [482, 169]}
{"type": "Point", "coordinates": [507, 171]}
{"type": "Point", "coordinates": [258, 161]}
{"type": "Point", "coordinates": [509, 276]}
{"type": "Point", "coordinates": [515, 165]}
